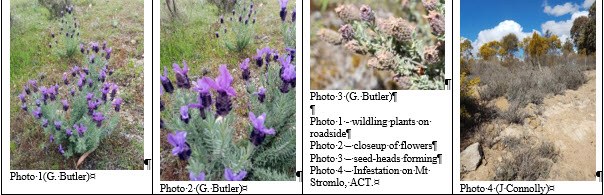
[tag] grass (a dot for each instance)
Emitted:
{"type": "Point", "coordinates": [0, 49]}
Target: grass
{"type": "Point", "coordinates": [191, 37]}
{"type": "Point", "coordinates": [120, 23]}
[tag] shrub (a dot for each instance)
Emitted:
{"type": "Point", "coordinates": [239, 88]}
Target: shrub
{"type": "Point", "coordinates": [55, 7]}
{"type": "Point", "coordinates": [78, 113]}
{"type": "Point", "coordinates": [393, 44]}
{"type": "Point", "coordinates": [203, 134]}
{"type": "Point", "coordinates": [65, 41]}
{"type": "Point", "coordinates": [237, 31]}
{"type": "Point", "coordinates": [527, 163]}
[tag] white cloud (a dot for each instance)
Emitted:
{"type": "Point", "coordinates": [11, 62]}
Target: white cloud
{"type": "Point", "coordinates": [496, 33]}
{"type": "Point", "coordinates": [562, 28]}
{"type": "Point", "coordinates": [560, 10]}
{"type": "Point", "coordinates": [587, 3]}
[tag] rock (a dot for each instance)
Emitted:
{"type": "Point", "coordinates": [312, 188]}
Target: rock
{"type": "Point", "coordinates": [502, 104]}
{"type": "Point", "coordinates": [471, 157]}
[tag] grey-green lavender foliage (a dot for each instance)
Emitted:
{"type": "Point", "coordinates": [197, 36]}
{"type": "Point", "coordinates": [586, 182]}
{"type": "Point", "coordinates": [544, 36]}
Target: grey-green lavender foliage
{"type": "Point", "coordinates": [63, 109]}
{"type": "Point", "coordinates": [238, 27]}
{"type": "Point", "coordinates": [213, 143]}
{"type": "Point", "coordinates": [67, 38]}
{"type": "Point", "coordinates": [394, 44]}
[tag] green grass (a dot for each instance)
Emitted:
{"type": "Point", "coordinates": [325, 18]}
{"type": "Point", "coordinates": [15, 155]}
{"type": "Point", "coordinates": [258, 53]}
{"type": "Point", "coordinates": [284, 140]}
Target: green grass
{"type": "Point", "coordinates": [120, 23]}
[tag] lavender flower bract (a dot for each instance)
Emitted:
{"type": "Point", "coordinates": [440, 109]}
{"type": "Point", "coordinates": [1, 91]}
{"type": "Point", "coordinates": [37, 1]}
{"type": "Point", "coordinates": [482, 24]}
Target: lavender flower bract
{"type": "Point", "coordinates": [201, 176]}
{"type": "Point", "coordinates": [98, 117]}
{"type": "Point", "coordinates": [165, 81]}
{"type": "Point", "coordinates": [230, 176]}
{"type": "Point", "coordinates": [178, 140]}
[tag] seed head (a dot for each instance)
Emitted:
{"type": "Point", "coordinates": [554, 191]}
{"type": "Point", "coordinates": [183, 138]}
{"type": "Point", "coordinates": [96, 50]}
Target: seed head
{"type": "Point", "coordinates": [398, 28]}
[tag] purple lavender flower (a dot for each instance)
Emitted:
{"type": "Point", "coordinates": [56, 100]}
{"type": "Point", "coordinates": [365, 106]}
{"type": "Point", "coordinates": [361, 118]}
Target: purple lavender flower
{"type": "Point", "coordinates": [65, 80]}
{"type": "Point", "coordinates": [95, 47]}
{"type": "Point", "coordinates": [216, 34]}
{"type": "Point", "coordinates": [24, 107]}
{"type": "Point", "coordinates": [89, 81]}
{"type": "Point", "coordinates": [91, 58]}
{"type": "Point", "coordinates": [108, 53]}
{"type": "Point", "coordinates": [81, 129]}
{"type": "Point", "coordinates": [68, 131]}
{"type": "Point", "coordinates": [44, 93]}
{"type": "Point", "coordinates": [22, 97]}
{"type": "Point", "coordinates": [267, 51]}
{"type": "Point", "coordinates": [222, 85]}
{"type": "Point", "coordinates": [85, 70]}
{"type": "Point", "coordinates": [165, 81]}
{"type": "Point", "coordinates": [117, 103]}
{"type": "Point", "coordinates": [221, 19]}
{"type": "Point", "coordinates": [34, 85]}
{"type": "Point", "coordinates": [294, 16]}
{"type": "Point", "coordinates": [80, 83]}
{"type": "Point", "coordinates": [52, 138]}
{"type": "Point", "coordinates": [102, 75]}
{"type": "Point", "coordinates": [65, 104]}
{"type": "Point", "coordinates": [105, 91]}
{"type": "Point", "coordinates": [184, 114]}
{"type": "Point", "coordinates": [245, 71]}
{"type": "Point", "coordinates": [261, 94]}
{"type": "Point", "coordinates": [201, 176]}
{"type": "Point", "coordinates": [26, 89]}
{"type": "Point", "coordinates": [89, 96]}
{"type": "Point", "coordinates": [72, 92]}
{"type": "Point", "coordinates": [44, 122]}
{"type": "Point", "coordinates": [104, 45]}
{"type": "Point", "coordinates": [258, 57]}
{"type": "Point", "coordinates": [260, 131]}
{"type": "Point", "coordinates": [82, 48]}
{"type": "Point", "coordinates": [92, 106]}
{"type": "Point", "coordinates": [98, 118]}
{"type": "Point", "coordinates": [292, 53]}
{"type": "Point", "coordinates": [58, 125]}
{"type": "Point", "coordinates": [182, 79]}
{"type": "Point", "coordinates": [38, 103]}
{"type": "Point", "coordinates": [114, 89]}
{"type": "Point", "coordinates": [288, 74]}
{"type": "Point", "coordinates": [283, 12]}
{"type": "Point", "coordinates": [178, 140]}
{"type": "Point", "coordinates": [61, 149]}
{"type": "Point", "coordinates": [203, 88]}
{"type": "Point", "coordinates": [37, 112]}
{"type": "Point", "coordinates": [230, 176]}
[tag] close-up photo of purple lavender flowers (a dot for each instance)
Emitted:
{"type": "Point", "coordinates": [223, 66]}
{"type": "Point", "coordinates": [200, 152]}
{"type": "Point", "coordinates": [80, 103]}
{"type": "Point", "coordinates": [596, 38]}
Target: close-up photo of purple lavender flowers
{"type": "Point", "coordinates": [228, 95]}
{"type": "Point", "coordinates": [76, 75]}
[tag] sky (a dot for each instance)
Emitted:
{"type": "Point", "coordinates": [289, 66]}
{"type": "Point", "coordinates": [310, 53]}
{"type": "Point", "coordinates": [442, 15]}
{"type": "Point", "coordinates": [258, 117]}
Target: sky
{"type": "Point", "coordinates": [483, 21]}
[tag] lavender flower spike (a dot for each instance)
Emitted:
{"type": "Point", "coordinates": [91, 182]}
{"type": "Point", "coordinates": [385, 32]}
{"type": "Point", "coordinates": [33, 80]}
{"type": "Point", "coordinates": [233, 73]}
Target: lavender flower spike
{"type": "Point", "coordinates": [182, 79]}
{"type": "Point", "coordinates": [283, 12]}
{"type": "Point", "coordinates": [222, 85]}
{"type": "Point", "coordinates": [81, 129]}
{"type": "Point", "coordinates": [201, 176]}
{"type": "Point", "coordinates": [230, 176]}
{"type": "Point", "coordinates": [44, 122]}
{"type": "Point", "coordinates": [108, 53]}
{"type": "Point", "coordinates": [245, 65]}
{"type": "Point", "coordinates": [203, 88]}
{"type": "Point", "coordinates": [260, 131]}
{"type": "Point", "coordinates": [178, 140]}
{"type": "Point", "coordinates": [58, 125]}
{"type": "Point", "coordinates": [61, 149]}
{"type": "Point", "coordinates": [22, 97]}
{"type": "Point", "coordinates": [184, 114]}
{"type": "Point", "coordinates": [65, 104]}
{"type": "Point", "coordinates": [261, 94]}
{"type": "Point", "coordinates": [98, 118]}
{"type": "Point", "coordinates": [68, 131]}
{"type": "Point", "coordinates": [117, 103]}
{"type": "Point", "coordinates": [165, 81]}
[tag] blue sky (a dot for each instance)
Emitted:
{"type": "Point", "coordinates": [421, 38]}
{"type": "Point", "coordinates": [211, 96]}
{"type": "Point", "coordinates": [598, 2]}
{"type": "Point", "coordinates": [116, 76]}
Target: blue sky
{"type": "Point", "coordinates": [486, 20]}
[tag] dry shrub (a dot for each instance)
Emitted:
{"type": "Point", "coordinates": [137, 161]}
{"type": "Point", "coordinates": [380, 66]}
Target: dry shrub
{"type": "Point", "coordinates": [526, 163]}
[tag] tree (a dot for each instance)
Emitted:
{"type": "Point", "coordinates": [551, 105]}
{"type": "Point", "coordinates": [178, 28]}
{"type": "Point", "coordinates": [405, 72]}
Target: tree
{"type": "Point", "coordinates": [589, 42]}
{"type": "Point", "coordinates": [488, 50]}
{"type": "Point", "coordinates": [509, 45]}
{"type": "Point", "coordinates": [466, 48]}
{"type": "Point", "coordinates": [553, 44]}
{"type": "Point", "coordinates": [535, 48]}
{"type": "Point", "coordinates": [568, 47]}
{"type": "Point", "coordinates": [577, 33]}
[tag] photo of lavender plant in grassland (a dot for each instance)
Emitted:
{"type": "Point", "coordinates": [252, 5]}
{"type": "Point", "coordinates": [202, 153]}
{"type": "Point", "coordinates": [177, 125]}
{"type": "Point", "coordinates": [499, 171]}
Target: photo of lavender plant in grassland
{"type": "Point", "coordinates": [360, 44]}
{"type": "Point", "coordinates": [228, 91]}
{"type": "Point", "coordinates": [75, 83]}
